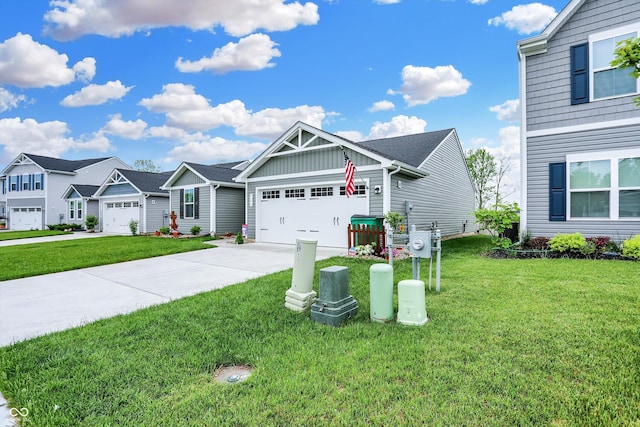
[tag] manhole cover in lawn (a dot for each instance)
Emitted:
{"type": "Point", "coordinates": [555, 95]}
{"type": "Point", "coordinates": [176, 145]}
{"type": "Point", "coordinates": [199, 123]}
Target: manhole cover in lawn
{"type": "Point", "coordinates": [232, 374]}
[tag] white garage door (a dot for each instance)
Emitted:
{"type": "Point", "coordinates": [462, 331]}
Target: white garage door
{"type": "Point", "coordinates": [320, 212]}
{"type": "Point", "coordinates": [117, 215]}
{"type": "Point", "coordinates": [26, 219]}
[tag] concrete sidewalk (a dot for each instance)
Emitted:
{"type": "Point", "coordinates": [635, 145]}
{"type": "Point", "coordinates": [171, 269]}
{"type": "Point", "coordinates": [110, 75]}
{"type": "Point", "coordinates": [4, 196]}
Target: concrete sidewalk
{"type": "Point", "coordinates": [39, 305]}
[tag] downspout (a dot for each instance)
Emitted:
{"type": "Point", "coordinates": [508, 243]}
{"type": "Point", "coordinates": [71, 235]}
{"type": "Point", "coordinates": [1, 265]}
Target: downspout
{"type": "Point", "coordinates": [212, 224]}
{"type": "Point", "coordinates": [522, 59]}
{"type": "Point", "coordinates": [144, 213]}
{"type": "Point", "coordinates": [387, 193]}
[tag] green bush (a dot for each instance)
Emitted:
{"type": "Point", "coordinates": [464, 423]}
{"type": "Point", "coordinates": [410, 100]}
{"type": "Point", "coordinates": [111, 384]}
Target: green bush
{"type": "Point", "coordinates": [631, 247]}
{"type": "Point", "coordinates": [133, 226]}
{"type": "Point", "coordinates": [91, 222]}
{"type": "Point", "coordinates": [164, 230]}
{"type": "Point", "coordinates": [195, 230]}
{"type": "Point", "coordinates": [568, 243]}
{"type": "Point", "coordinates": [498, 219]}
{"type": "Point", "coordinates": [63, 227]}
{"type": "Point", "coordinates": [239, 238]}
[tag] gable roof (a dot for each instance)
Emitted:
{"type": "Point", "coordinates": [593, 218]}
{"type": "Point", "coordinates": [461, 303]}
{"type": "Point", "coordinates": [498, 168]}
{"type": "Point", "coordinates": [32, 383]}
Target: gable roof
{"type": "Point", "coordinates": [221, 173]}
{"type": "Point", "coordinates": [146, 182]}
{"type": "Point", "coordinates": [85, 190]}
{"type": "Point", "coordinates": [55, 164]}
{"type": "Point", "coordinates": [410, 149]}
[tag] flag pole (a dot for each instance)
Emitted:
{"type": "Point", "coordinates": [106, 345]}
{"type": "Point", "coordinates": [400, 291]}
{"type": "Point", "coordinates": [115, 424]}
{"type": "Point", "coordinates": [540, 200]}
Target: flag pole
{"type": "Point", "coordinates": [355, 169]}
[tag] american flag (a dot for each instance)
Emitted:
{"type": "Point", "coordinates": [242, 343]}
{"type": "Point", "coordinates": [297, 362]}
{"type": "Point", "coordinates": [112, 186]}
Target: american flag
{"type": "Point", "coordinates": [349, 172]}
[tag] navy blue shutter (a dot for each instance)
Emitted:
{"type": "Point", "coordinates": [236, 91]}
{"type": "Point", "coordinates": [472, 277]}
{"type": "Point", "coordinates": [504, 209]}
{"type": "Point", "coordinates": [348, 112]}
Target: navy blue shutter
{"type": "Point", "coordinates": [196, 203]}
{"type": "Point", "coordinates": [579, 73]}
{"type": "Point", "coordinates": [42, 181]}
{"type": "Point", "coordinates": [181, 204]}
{"type": "Point", "coordinates": [557, 192]}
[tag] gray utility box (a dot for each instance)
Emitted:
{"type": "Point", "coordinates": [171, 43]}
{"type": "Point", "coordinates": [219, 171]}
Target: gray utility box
{"type": "Point", "coordinates": [420, 244]}
{"type": "Point", "coordinates": [335, 304]}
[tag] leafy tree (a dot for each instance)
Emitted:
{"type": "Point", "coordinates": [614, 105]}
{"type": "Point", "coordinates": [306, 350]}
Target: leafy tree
{"type": "Point", "coordinates": [627, 55]}
{"type": "Point", "coordinates": [482, 166]}
{"type": "Point", "coordinates": [146, 166]}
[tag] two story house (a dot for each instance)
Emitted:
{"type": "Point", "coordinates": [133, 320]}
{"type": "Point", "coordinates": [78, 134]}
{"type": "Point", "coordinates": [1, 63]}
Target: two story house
{"type": "Point", "coordinates": [580, 128]}
{"type": "Point", "coordinates": [34, 186]}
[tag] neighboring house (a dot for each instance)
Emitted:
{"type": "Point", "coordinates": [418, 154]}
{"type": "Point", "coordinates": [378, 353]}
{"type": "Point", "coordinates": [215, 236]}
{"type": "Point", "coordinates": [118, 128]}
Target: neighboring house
{"type": "Point", "coordinates": [296, 187]}
{"type": "Point", "coordinates": [207, 196]}
{"type": "Point", "coordinates": [129, 195]}
{"type": "Point", "coordinates": [580, 127]}
{"type": "Point", "coordinates": [81, 202]}
{"type": "Point", "coordinates": [35, 186]}
{"type": "Point", "coordinates": [3, 197]}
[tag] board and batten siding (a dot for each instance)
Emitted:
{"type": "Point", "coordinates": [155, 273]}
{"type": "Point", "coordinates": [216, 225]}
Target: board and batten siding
{"type": "Point", "coordinates": [548, 84]}
{"type": "Point", "coordinates": [204, 214]}
{"type": "Point", "coordinates": [155, 208]}
{"type": "Point", "coordinates": [374, 179]}
{"type": "Point", "coordinates": [119, 189]}
{"type": "Point", "coordinates": [188, 178]}
{"type": "Point", "coordinates": [229, 210]}
{"type": "Point", "coordinates": [553, 149]}
{"type": "Point", "coordinates": [446, 196]}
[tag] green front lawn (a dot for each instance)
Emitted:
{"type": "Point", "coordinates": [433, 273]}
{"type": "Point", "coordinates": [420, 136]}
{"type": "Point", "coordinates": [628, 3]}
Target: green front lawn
{"type": "Point", "coordinates": [510, 342]}
{"type": "Point", "coordinates": [14, 235]}
{"type": "Point", "coordinates": [52, 257]}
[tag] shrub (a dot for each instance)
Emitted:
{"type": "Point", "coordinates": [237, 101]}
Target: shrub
{"type": "Point", "coordinates": [195, 230]}
{"type": "Point", "coordinates": [537, 243]}
{"type": "Point", "coordinates": [568, 243]}
{"type": "Point", "coordinates": [498, 219]}
{"type": "Point", "coordinates": [631, 247]}
{"type": "Point", "coordinates": [164, 230]}
{"type": "Point", "coordinates": [63, 227]}
{"type": "Point", "coordinates": [239, 238]}
{"type": "Point", "coordinates": [91, 222]}
{"type": "Point", "coordinates": [133, 226]}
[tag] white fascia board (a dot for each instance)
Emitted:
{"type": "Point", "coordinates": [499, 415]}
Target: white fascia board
{"type": "Point", "coordinates": [586, 127]}
{"type": "Point", "coordinates": [409, 170]}
{"type": "Point", "coordinates": [168, 184]}
{"type": "Point", "coordinates": [311, 174]}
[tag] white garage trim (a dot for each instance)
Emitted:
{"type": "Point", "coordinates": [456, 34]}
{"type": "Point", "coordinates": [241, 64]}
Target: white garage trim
{"type": "Point", "coordinates": [116, 215]}
{"type": "Point", "coordinates": [25, 218]}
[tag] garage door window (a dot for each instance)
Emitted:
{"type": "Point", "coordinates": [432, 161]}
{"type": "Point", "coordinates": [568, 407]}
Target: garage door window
{"type": "Point", "coordinates": [322, 192]}
{"type": "Point", "coordinates": [270, 194]}
{"type": "Point", "coordinates": [360, 190]}
{"type": "Point", "coordinates": [294, 193]}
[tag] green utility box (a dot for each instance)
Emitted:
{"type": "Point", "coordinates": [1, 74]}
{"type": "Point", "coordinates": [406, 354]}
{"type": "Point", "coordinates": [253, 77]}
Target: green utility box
{"type": "Point", "coordinates": [381, 292]}
{"type": "Point", "coordinates": [335, 304]}
{"type": "Point", "coordinates": [370, 220]}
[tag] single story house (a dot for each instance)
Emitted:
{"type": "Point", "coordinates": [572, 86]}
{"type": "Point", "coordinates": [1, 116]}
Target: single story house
{"type": "Point", "coordinates": [207, 196]}
{"type": "Point", "coordinates": [296, 187]}
{"type": "Point", "coordinates": [81, 202]}
{"type": "Point", "coordinates": [129, 195]}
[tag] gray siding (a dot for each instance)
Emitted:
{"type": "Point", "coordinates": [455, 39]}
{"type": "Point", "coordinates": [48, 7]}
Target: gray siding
{"type": "Point", "coordinates": [548, 83]}
{"type": "Point", "coordinates": [188, 178]}
{"type": "Point", "coordinates": [27, 203]}
{"type": "Point", "coordinates": [119, 189]}
{"type": "Point", "coordinates": [92, 207]}
{"type": "Point", "coordinates": [229, 210]}
{"type": "Point", "coordinates": [155, 213]}
{"type": "Point", "coordinates": [445, 197]}
{"type": "Point", "coordinates": [551, 149]}
{"type": "Point", "coordinates": [185, 224]}
{"type": "Point", "coordinates": [309, 161]}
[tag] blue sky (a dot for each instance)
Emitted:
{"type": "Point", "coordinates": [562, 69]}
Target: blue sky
{"type": "Point", "coordinates": [218, 80]}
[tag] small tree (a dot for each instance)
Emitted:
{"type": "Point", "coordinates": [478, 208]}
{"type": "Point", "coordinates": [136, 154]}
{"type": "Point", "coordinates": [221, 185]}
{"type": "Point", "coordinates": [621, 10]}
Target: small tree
{"type": "Point", "coordinates": [133, 226]}
{"type": "Point", "coordinates": [394, 219]}
{"type": "Point", "coordinates": [146, 166]}
{"type": "Point", "coordinates": [482, 166]}
{"type": "Point", "coordinates": [498, 219]}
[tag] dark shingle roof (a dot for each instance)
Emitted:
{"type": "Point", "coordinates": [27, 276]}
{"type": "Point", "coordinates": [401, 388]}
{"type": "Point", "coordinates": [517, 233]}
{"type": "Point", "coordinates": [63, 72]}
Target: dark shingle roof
{"type": "Point", "coordinates": [409, 149]}
{"type": "Point", "coordinates": [229, 165]}
{"type": "Point", "coordinates": [51, 163]}
{"type": "Point", "coordinates": [215, 173]}
{"type": "Point", "coordinates": [147, 182]}
{"type": "Point", "coordinates": [86, 190]}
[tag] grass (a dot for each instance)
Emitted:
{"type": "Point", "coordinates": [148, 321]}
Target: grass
{"type": "Point", "coordinates": [27, 234]}
{"type": "Point", "coordinates": [52, 257]}
{"type": "Point", "coordinates": [510, 342]}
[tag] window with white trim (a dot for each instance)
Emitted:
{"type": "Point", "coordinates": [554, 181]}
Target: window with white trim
{"type": "Point", "coordinates": [189, 202]}
{"type": "Point", "coordinates": [610, 81]}
{"type": "Point", "coordinates": [75, 209]}
{"type": "Point", "coordinates": [604, 185]}
{"type": "Point", "coordinates": [360, 190]}
{"type": "Point", "coordinates": [322, 192]}
{"type": "Point", "coordinates": [25, 183]}
{"type": "Point", "coordinates": [37, 182]}
{"type": "Point", "coordinates": [270, 194]}
{"type": "Point", "coordinates": [294, 193]}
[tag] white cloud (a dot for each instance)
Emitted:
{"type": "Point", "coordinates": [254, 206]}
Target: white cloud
{"type": "Point", "coordinates": [69, 19]}
{"type": "Point", "coordinates": [96, 94]}
{"type": "Point", "coordinates": [46, 138]}
{"type": "Point", "coordinates": [351, 135]}
{"type": "Point", "coordinates": [386, 1]}
{"type": "Point", "coordinates": [478, 1]}
{"type": "Point", "coordinates": [421, 85]}
{"type": "Point", "coordinates": [129, 129]}
{"type": "Point", "coordinates": [381, 106]}
{"type": "Point", "coordinates": [398, 126]}
{"type": "Point", "coordinates": [526, 19]}
{"type": "Point", "coordinates": [85, 70]}
{"type": "Point", "coordinates": [9, 100]}
{"type": "Point", "coordinates": [508, 111]}
{"type": "Point", "coordinates": [26, 63]}
{"type": "Point", "coordinates": [187, 110]}
{"type": "Point", "coordinates": [251, 53]}
{"type": "Point", "coordinates": [214, 150]}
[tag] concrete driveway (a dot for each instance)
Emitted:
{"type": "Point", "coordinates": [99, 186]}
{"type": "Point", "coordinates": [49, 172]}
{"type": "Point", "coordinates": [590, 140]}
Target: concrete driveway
{"type": "Point", "coordinates": [39, 305]}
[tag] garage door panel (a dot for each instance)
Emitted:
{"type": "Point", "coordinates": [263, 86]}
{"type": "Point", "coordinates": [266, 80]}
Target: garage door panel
{"type": "Point", "coordinates": [28, 218]}
{"type": "Point", "coordinates": [118, 215]}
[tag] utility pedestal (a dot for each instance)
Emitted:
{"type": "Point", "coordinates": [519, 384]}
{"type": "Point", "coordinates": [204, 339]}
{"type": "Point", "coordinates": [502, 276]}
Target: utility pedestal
{"type": "Point", "coordinates": [411, 303]}
{"type": "Point", "coordinates": [335, 304]}
{"type": "Point", "coordinates": [301, 294]}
